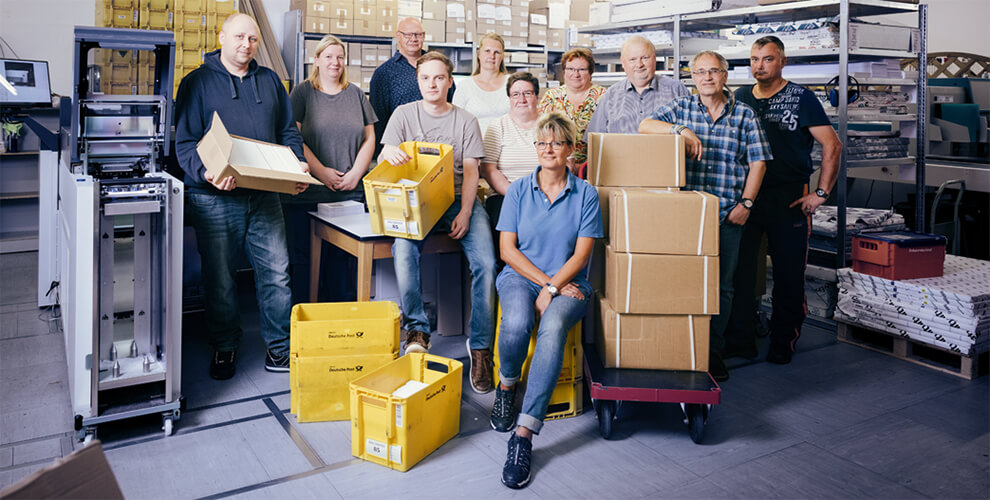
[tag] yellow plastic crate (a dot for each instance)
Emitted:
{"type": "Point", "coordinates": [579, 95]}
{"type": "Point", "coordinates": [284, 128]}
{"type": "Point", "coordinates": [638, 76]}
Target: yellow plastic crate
{"type": "Point", "coordinates": [190, 5]}
{"type": "Point", "coordinates": [116, 17]}
{"type": "Point", "coordinates": [119, 88]}
{"type": "Point", "coordinates": [572, 367]}
{"type": "Point", "coordinates": [407, 200]}
{"type": "Point", "coordinates": [190, 21]}
{"type": "Point", "coordinates": [567, 400]}
{"type": "Point", "coordinates": [155, 19]}
{"type": "Point", "coordinates": [344, 328]}
{"type": "Point", "coordinates": [189, 37]}
{"type": "Point", "coordinates": [223, 8]}
{"type": "Point", "coordinates": [189, 56]}
{"type": "Point", "coordinates": [119, 73]}
{"type": "Point", "coordinates": [320, 385]}
{"type": "Point", "coordinates": [159, 4]}
{"type": "Point", "coordinates": [126, 4]}
{"type": "Point", "coordinates": [398, 432]}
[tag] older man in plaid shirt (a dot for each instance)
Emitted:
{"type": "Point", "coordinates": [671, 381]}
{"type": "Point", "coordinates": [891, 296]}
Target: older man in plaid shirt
{"type": "Point", "coordinates": [727, 154]}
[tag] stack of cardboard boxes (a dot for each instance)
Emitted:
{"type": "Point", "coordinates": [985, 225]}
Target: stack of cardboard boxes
{"type": "Point", "coordinates": [351, 17]}
{"type": "Point", "coordinates": [194, 22]}
{"type": "Point", "coordinates": [660, 275]}
{"type": "Point", "coordinates": [332, 344]}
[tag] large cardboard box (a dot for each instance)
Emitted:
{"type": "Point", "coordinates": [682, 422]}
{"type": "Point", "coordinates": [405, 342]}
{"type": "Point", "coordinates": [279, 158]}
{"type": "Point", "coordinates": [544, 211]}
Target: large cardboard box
{"type": "Point", "coordinates": [83, 474]}
{"type": "Point", "coordinates": [635, 160]}
{"type": "Point", "coordinates": [341, 27]}
{"type": "Point", "coordinates": [311, 7]}
{"type": "Point", "coordinates": [254, 164]}
{"type": "Point", "coordinates": [663, 221]}
{"type": "Point", "coordinates": [435, 10]}
{"type": "Point", "coordinates": [369, 55]}
{"type": "Point", "coordinates": [642, 283]}
{"type": "Point", "coordinates": [341, 9]}
{"type": "Point", "coordinates": [556, 38]}
{"type": "Point", "coordinates": [652, 341]}
{"type": "Point", "coordinates": [537, 34]}
{"type": "Point", "coordinates": [313, 24]}
{"type": "Point", "coordinates": [435, 30]}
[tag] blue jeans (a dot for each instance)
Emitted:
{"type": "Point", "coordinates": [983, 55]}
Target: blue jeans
{"type": "Point", "coordinates": [480, 253]}
{"type": "Point", "coordinates": [225, 226]}
{"type": "Point", "coordinates": [729, 238]}
{"type": "Point", "coordinates": [518, 297]}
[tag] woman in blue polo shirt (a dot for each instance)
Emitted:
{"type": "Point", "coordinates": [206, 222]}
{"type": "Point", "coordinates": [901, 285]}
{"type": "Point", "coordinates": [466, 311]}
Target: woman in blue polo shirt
{"type": "Point", "coordinates": [548, 224]}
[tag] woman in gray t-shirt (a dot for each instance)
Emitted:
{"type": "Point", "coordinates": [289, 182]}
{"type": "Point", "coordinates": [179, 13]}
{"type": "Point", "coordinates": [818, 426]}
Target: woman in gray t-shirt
{"type": "Point", "coordinates": [337, 125]}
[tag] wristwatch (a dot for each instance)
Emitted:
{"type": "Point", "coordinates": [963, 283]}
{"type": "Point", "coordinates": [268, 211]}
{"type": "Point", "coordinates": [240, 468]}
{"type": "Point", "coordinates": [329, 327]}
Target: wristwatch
{"type": "Point", "coordinates": [746, 203]}
{"type": "Point", "coordinates": [553, 290]}
{"type": "Point", "coordinates": [821, 193]}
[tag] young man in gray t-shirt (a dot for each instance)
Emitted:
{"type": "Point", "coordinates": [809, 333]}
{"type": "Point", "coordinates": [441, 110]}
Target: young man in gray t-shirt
{"type": "Point", "coordinates": [435, 120]}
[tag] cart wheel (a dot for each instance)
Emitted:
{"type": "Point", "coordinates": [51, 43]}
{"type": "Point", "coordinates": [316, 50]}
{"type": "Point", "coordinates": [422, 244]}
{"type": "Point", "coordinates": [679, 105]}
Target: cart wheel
{"type": "Point", "coordinates": [90, 434]}
{"type": "Point", "coordinates": [696, 422]}
{"type": "Point", "coordinates": [606, 413]}
{"type": "Point", "coordinates": [167, 426]}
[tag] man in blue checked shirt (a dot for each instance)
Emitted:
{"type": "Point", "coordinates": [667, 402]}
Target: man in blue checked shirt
{"type": "Point", "coordinates": [726, 156]}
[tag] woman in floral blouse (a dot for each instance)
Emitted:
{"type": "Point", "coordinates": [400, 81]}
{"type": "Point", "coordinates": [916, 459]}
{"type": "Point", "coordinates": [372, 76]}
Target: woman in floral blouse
{"type": "Point", "coordinates": [577, 98]}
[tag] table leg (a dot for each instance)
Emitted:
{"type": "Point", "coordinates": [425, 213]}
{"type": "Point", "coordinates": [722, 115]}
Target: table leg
{"type": "Point", "coordinates": [365, 261]}
{"type": "Point", "coordinates": [315, 247]}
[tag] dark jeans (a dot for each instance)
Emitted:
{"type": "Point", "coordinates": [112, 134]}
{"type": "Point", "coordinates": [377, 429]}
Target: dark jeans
{"type": "Point", "coordinates": [338, 281]}
{"type": "Point", "coordinates": [787, 231]}
{"type": "Point", "coordinates": [493, 206]}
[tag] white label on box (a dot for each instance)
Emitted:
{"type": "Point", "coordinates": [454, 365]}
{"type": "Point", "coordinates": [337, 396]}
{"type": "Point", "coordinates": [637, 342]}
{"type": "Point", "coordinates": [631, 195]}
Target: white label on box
{"type": "Point", "coordinates": [375, 448]}
{"type": "Point", "coordinates": [455, 10]}
{"type": "Point", "coordinates": [503, 13]}
{"type": "Point", "coordinates": [413, 227]}
{"type": "Point", "coordinates": [398, 416]}
{"type": "Point", "coordinates": [395, 225]}
{"type": "Point", "coordinates": [412, 199]}
{"type": "Point", "coordinates": [395, 454]}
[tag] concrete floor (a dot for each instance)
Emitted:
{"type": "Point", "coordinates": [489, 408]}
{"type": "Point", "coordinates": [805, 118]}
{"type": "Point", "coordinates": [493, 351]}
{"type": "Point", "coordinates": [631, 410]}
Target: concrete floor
{"type": "Point", "coordinates": [838, 422]}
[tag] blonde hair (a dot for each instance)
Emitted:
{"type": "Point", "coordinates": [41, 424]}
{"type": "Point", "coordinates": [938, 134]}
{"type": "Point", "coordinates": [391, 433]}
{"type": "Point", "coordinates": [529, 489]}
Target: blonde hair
{"type": "Point", "coordinates": [558, 126]}
{"type": "Point", "coordinates": [477, 53]}
{"type": "Point", "coordinates": [314, 77]}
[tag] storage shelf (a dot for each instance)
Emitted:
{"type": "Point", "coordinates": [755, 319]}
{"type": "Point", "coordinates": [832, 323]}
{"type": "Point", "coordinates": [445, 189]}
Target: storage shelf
{"type": "Point", "coordinates": [784, 12]}
{"type": "Point", "coordinates": [18, 241]}
{"type": "Point", "coordinates": [19, 195]}
{"type": "Point", "coordinates": [881, 162]}
{"type": "Point", "coordinates": [524, 65]}
{"type": "Point", "coordinates": [20, 153]}
{"type": "Point", "coordinates": [876, 117]}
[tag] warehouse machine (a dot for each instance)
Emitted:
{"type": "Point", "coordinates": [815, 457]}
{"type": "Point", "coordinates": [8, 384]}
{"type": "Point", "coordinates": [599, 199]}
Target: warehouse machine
{"type": "Point", "coordinates": [120, 233]}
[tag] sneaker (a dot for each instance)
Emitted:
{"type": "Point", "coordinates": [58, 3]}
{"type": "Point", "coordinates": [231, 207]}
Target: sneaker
{"type": "Point", "coordinates": [717, 368]}
{"type": "Point", "coordinates": [223, 365]}
{"type": "Point", "coordinates": [277, 362]}
{"type": "Point", "coordinates": [481, 369]}
{"type": "Point", "coordinates": [417, 341]}
{"type": "Point", "coordinates": [504, 409]}
{"type": "Point", "coordinates": [779, 354]}
{"type": "Point", "coordinates": [515, 473]}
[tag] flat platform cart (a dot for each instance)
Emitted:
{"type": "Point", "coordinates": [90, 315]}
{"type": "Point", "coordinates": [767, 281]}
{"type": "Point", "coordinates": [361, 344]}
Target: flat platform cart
{"type": "Point", "coordinates": [695, 391]}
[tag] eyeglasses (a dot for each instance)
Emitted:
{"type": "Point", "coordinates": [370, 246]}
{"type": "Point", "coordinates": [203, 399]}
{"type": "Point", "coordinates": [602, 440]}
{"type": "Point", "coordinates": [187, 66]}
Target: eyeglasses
{"type": "Point", "coordinates": [412, 36]}
{"type": "Point", "coordinates": [540, 145]}
{"type": "Point", "coordinates": [576, 70]}
{"type": "Point", "coordinates": [527, 94]}
{"type": "Point", "coordinates": [709, 72]}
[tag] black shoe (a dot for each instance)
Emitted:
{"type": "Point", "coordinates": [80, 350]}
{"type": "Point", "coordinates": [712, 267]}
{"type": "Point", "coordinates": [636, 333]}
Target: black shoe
{"type": "Point", "coordinates": [515, 473]}
{"type": "Point", "coordinates": [747, 351]}
{"type": "Point", "coordinates": [223, 365]}
{"type": "Point", "coordinates": [504, 410]}
{"type": "Point", "coordinates": [716, 367]}
{"type": "Point", "coordinates": [277, 362]}
{"type": "Point", "coordinates": [779, 354]}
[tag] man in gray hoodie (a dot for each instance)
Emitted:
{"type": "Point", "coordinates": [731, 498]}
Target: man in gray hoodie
{"type": "Point", "coordinates": [252, 103]}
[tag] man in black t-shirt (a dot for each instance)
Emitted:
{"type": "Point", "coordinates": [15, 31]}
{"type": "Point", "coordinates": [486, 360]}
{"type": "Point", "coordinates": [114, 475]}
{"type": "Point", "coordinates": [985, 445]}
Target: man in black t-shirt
{"type": "Point", "coordinates": [793, 119]}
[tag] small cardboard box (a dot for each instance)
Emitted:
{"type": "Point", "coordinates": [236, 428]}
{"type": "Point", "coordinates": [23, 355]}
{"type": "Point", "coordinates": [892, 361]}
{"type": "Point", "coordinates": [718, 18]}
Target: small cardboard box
{"type": "Point", "coordinates": [386, 28]}
{"type": "Point", "coordinates": [254, 164]}
{"type": "Point", "coordinates": [641, 283]}
{"type": "Point", "coordinates": [384, 53]}
{"type": "Point", "coordinates": [354, 53]}
{"type": "Point", "coordinates": [556, 38]}
{"type": "Point", "coordinates": [314, 24]}
{"type": "Point", "coordinates": [341, 27]}
{"type": "Point", "coordinates": [369, 55]}
{"type": "Point", "coordinates": [435, 30]}
{"type": "Point", "coordinates": [635, 160]}
{"type": "Point", "coordinates": [365, 27]}
{"type": "Point", "coordinates": [435, 10]}
{"type": "Point", "coordinates": [663, 221]}
{"type": "Point", "coordinates": [311, 7]}
{"type": "Point", "coordinates": [652, 341]}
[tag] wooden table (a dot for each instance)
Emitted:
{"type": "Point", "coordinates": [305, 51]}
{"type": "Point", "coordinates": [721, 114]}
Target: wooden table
{"type": "Point", "coordinates": [352, 234]}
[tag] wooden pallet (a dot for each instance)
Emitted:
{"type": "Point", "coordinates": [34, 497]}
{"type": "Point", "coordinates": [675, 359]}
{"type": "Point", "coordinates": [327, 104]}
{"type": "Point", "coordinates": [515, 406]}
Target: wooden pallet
{"type": "Point", "coordinates": [914, 351]}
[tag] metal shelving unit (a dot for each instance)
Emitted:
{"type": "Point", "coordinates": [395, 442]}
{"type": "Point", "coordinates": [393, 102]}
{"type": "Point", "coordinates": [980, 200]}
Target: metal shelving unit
{"type": "Point", "coordinates": [811, 9]}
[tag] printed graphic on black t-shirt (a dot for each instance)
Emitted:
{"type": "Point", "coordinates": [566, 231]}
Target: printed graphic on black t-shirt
{"type": "Point", "coordinates": [786, 117]}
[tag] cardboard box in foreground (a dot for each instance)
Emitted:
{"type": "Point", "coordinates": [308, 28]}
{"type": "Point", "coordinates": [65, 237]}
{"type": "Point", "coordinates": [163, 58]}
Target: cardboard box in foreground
{"type": "Point", "coordinates": [661, 284]}
{"type": "Point", "coordinates": [652, 341]}
{"type": "Point", "coordinates": [83, 474]}
{"type": "Point", "coordinates": [635, 160]}
{"type": "Point", "coordinates": [254, 164]}
{"type": "Point", "coordinates": [663, 222]}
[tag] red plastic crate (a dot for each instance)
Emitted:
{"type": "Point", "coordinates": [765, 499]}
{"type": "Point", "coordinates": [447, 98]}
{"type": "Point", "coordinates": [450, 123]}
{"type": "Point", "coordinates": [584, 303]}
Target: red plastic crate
{"type": "Point", "coordinates": [899, 255]}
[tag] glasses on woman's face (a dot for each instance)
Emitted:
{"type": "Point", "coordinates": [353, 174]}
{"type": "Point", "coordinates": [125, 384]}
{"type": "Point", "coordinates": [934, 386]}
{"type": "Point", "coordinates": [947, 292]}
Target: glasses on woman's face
{"type": "Point", "coordinates": [709, 72]}
{"type": "Point", "coordinates": [522, 95]}
{"type": "Point", "coordinates": [555, 145]}
{"type": "Point", "coordinates": [576, 71]}
{"type": "Point", "coordinates": [412, 36]}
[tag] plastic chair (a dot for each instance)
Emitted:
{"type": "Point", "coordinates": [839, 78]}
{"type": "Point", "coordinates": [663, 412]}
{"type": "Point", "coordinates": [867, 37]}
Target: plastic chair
{"type": "Point", "coordinates": [949, 229]}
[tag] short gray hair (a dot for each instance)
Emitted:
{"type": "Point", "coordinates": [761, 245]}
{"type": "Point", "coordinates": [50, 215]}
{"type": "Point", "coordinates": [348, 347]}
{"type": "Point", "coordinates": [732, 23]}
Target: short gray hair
{"type": "Point", "coordinates": [637, 40]}
{"type": "Point", "coordinates": [557, 125]}
{"type": "Point", "coordinates": [722, 63]}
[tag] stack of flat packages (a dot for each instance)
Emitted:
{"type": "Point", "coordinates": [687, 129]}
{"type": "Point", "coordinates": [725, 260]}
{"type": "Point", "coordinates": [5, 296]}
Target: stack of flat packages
{"type": "Point", "coordinates": [660, 277]}
{"type": "Point", "coordinates": [822, 244]}
{"type": "Point", "coordinates": [820, 292]}
{"type": "Point", "coordinates": [951, 311]}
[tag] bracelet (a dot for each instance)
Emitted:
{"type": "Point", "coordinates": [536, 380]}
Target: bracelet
{"type": "Point", "coordinates": [677, 129]}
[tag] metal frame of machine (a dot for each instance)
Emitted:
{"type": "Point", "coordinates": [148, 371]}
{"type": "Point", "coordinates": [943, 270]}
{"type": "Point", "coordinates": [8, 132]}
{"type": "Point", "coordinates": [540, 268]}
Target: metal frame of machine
{"type": "Point", "coordinates": [120, 250]}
